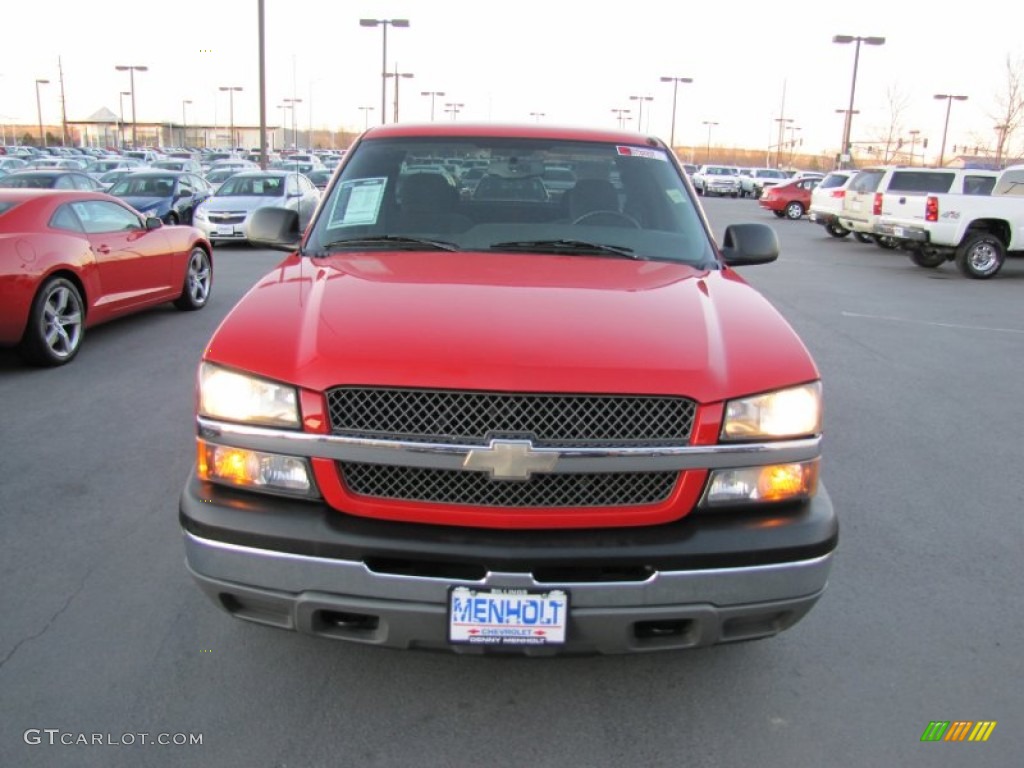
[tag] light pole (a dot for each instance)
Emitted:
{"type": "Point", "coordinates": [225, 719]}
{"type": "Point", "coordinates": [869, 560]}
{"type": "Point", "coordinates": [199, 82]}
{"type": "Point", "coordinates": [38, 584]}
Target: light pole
{"type": "Point", "coordinates": [121, 124]}
{"type": "Point", "coordinates": [675, 89]}
{"type": "Point", "coordinates": [39, 111]}
{"type": "Point", "coordinates": [284, 126]}
{"type": "Point", "coordinates": [131, 70]}
{"type": "Point", "coordinates": [640, 116]}
{"type": "Point", "coordinates": [366, 117]}
{"type": "Point", "coordinates": [184, 123]}
{"type": "Point", "coordinates": [397, 75]}
{"type": "Point", "coordinates": [431, 94]}
{"type": "Point", "coordinates": [848, 123]}
{"type": "Point", "coordinates": [949, 103]}
{"type": "Point", "coordinates": [295, 130]}
{"type": "Point", "coordinates": [913, 144]}
{"type": "Point", "coordinates": [231, 94]}
{"type": "Point", "coordinates": [710, 124]}
{"type": "Point", "coordinates": [384, 24]}
{"type": "Point", "coordinates": [620, 115]}
{"type": "Point", "coordinates": [1001, 130]}
{"type": "Point", "coordinates": [782, 121]}
{"type": "Point", "coordinates": [537, 116]}
{"type": "Point", "coordinates": [792, 141]}
{"type": "Point", "coordinates": [453, 109]}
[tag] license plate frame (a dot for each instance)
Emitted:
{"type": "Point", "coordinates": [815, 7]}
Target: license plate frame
{"type": "Point", "coordinates": [225, 229]}
{"type": "Point", "coordinates": [507, 617]}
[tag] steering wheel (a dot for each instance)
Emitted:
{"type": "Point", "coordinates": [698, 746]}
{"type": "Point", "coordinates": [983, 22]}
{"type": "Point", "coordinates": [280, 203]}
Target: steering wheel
{"type": "Point", "coordinates": [613, 218]}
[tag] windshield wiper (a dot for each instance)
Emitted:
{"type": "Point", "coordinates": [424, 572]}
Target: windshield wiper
{"type": "Point", "coordinates": [568, 246]}
{"type": "Point", "coordinates": [398, 242]}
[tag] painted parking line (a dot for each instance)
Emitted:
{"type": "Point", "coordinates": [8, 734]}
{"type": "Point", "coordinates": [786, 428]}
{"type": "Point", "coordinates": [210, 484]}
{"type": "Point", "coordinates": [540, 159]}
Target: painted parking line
{"type": "Point", "coordinates": [959, 326]}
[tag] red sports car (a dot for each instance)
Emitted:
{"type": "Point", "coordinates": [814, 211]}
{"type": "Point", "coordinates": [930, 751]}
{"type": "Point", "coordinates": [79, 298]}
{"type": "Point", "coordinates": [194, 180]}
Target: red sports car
{"type": "Point", "coordinates": [72, 259]}
{"type": "Point", "coordinates": [790, 199]}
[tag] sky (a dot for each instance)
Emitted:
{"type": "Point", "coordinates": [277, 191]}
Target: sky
{"type": "Point", "coordinates": [573, 61]}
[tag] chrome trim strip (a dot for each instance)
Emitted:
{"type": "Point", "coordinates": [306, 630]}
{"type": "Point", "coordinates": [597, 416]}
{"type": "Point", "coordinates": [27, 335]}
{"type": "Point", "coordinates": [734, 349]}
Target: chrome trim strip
{"type": "Point", "coordinates": [447, 456]}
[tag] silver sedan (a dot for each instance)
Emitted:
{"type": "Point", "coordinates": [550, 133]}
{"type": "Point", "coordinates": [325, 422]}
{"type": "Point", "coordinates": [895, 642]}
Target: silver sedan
{"type": "Point", "coordinates": [225, 216]}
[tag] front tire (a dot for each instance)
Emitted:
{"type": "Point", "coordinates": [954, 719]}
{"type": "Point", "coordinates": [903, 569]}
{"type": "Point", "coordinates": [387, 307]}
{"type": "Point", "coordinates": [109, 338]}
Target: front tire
{"type": "Point", "coordinates": [56, 324]}
{"type": "Point", "coordinates": [980, 256]}
{"type": "Point", "coordinates": [198, 281]}
{"type": "Point", "coordinates": [794, 211]}
{"type": "Point", "coordinates": [886, 242]}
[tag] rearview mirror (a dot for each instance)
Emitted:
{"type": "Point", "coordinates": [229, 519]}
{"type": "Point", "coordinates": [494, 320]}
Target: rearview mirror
{"type": "Point", "coordinates": [747, 244]}
{"type": "Point", "coordinates": [152, 222]}
{"type": "Point", "coordinates": [276, 228]}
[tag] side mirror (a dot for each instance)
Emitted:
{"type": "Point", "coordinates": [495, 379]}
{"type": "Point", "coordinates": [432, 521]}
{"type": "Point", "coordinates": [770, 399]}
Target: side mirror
{"type": "Point", "coordinates": [152, 222]}
{"type": "Point", "coordinates": [748, 244]}
{"type": "Point", "coordinates": [276, 228]}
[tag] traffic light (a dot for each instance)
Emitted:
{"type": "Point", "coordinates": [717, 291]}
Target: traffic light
{"type": "Point", "coordinates": [899, 143]}
{"type": "Point", "coordinates": [924, 144]}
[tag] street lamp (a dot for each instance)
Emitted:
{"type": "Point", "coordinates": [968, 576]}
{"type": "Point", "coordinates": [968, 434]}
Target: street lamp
{"type": "Point", "coordinates": [792, 141]}
{"type": "Point", "coordinates": [710, 124]}
{"type": "Point", "coordinates": [184, 123]}
{"type": "Point", "coordinates": [431, 94]}
{"type": "Point", "coordinates": [640, 116]}
{"type": "Point", "coordinates": [231, 93]}
{"type": "Point", "coordinates": [949, 103]}
{"type": "Point", "coordinates": [913, 143]}
{"type": "Point", "coordinates": [397, 75]}
{"type": "Point", "coordinates": [847, 124]}
{"type": "Point", "coordinates": [620, 115]}
{"type": "Point", "coordinates": [366, 116]}
{"type": "Point", "coordinates": [132, 69]}
{"type": "Point", "coordinates": [384, 24]}
{"type": "Point", "coordinates": [39, 111]}
{"type": "Point", "coordinates": [453, 109]}
{"type": "Point", "coordinates": [295, 130]}
{"type": "Point", "coordinates": [782, 121]}
{"type": "Point", "coordinates": [675, 88]}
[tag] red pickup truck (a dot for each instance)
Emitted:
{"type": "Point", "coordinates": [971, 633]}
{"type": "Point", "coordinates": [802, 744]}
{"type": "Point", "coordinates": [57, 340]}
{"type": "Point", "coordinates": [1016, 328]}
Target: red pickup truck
{"type": "Point", "coordinates": [509, 420]}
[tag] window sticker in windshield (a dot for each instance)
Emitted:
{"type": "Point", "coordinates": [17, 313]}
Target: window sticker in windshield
{"type": "Point", "coordinates": [675, 196]}
{"type": "Point", "coordinates": [653, 154]}
{"type": "Point", "coordinates": [357, 202]}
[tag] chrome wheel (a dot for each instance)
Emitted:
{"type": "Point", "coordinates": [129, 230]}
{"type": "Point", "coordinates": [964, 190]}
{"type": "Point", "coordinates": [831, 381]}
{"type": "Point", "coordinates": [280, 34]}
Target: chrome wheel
{"type": "Point", "coordinates": [198, 281]}
{"type": "Point", "coordinates": [980, 256]}
{"type": "Point", "coordinates": [794, 211]}
{"type": "Point", "coordinates": [56, 324]}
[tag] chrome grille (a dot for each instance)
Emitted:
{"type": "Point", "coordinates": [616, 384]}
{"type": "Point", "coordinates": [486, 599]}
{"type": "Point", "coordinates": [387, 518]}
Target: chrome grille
{"type": "Point", "coordinates": [454, 486]}
{"type": "Point", "coordinates": [226, 218]}
{"type": "Point", "coordinates": [552, 420]}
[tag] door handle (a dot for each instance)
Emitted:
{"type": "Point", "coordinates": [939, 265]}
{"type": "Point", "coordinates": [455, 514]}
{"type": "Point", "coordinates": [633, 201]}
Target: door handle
{"type": "Point", "coordinates": [104, 249]}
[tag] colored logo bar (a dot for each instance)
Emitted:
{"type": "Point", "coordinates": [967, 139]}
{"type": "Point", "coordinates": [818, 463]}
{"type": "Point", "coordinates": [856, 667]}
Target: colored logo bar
{"type": "Point", "coordinates": [958, 730]}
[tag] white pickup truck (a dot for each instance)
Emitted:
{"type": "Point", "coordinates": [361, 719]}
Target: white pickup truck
{"type": "Point", "coordinates": [977, 231]}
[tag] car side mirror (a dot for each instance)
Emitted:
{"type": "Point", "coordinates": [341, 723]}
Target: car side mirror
{"type": "Point", "coordinates": [276, 228]}
{"type": "Point", "coordinates": [748, 244]}
{"type": "Point", "coordinates": [152, 222]}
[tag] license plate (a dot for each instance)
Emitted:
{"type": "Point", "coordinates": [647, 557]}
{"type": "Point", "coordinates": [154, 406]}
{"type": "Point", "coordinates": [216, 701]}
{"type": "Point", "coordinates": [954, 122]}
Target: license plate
{"type": "Point", "coordinates": [507, 617]}
{"type": "Point", "coordinates": [222, 230]}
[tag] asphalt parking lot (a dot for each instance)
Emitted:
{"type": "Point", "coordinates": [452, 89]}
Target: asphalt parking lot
{"type": "Point", "coordinates": [104, 633]}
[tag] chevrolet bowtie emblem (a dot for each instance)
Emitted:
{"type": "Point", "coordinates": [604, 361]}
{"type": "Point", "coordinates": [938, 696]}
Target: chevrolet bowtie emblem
{"type": "Point", "coordinates": [511, 459]}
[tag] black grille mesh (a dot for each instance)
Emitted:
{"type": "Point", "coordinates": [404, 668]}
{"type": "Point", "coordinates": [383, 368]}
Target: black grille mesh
{"type": "Point", "coordinates": [552, 420]}
{"type": "Point", "coordinates": [453, 486]}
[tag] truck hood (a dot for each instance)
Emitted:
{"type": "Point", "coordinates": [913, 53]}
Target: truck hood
{"type": "Point", "coordinates": [488, 321]}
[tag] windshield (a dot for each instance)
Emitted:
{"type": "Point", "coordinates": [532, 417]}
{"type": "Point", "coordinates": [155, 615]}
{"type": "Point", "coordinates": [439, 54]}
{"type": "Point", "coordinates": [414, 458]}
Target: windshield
{"type": "Point", "coordinates": [252, 186]}
{"type": "Point", "coordinates": [144, 187]}
{"type": "Point", "coordinates": [624, 199]}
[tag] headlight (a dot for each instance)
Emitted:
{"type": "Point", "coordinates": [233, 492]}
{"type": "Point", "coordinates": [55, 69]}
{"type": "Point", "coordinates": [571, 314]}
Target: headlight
{"type": "Point", "coordinates": [232, 396]}
{"type": "Point", "coordinates": [200, 213]}
{"type": "Point", "coordinates": [794, 412]}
